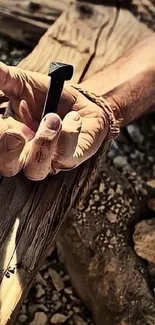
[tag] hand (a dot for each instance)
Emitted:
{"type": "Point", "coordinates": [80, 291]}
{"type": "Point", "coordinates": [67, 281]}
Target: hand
{"type": "Point", "coordinates": [60, 141]}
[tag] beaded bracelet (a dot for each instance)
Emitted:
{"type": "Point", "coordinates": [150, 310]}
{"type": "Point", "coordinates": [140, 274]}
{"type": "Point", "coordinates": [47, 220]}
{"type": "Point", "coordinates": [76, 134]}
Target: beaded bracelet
{"type": "Point", "coordinates": [114, 125]}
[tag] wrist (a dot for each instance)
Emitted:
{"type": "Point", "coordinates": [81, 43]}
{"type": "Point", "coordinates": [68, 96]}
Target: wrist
{"type": "Point", "coordinates": [111, 122]}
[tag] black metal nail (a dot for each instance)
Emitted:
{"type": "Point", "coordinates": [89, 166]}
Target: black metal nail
{"type": "Point", "coordinates": [59, 73]}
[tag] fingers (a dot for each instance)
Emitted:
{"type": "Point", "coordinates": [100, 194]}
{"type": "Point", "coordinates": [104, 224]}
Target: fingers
{"type": "Point", "coordinates": [11, 145]}
{"type": "Point", "coordinates": [13, 136]}
{"type": "Point", "coordinates": [67, 143]}
{"type": "Point", "coordinates": [39, 152]}
{"type": "Point", "coordinates": [10, 80]}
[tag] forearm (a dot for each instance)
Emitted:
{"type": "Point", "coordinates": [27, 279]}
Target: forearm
{"type": "Point", "coordinates": [129, 83]}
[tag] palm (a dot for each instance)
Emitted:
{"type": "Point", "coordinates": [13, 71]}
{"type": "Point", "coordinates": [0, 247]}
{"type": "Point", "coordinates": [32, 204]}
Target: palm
{"type": "Point", "coordinates": [61, 141]}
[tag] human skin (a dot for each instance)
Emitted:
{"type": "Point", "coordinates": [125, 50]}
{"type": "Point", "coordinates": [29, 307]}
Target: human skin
{"type": "Point", "coordinates": [64, 140]}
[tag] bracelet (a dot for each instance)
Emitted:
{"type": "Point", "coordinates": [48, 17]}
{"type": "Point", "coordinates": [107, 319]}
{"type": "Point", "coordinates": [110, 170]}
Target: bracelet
{"type": "Point", "coordinates": [114, 125]}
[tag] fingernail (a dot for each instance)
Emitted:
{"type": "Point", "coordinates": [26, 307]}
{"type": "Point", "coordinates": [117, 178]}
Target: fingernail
{"type": "Point", "coordinates": [12, 141]}
{"type": "Point", "coordinates": [52, 121]}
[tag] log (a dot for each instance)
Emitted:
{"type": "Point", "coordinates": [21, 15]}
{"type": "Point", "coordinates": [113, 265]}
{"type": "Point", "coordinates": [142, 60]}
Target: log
{"type": "Point", "coordinates": [19, 18]}
{"type": "Point", "coordinates": [31, 210]}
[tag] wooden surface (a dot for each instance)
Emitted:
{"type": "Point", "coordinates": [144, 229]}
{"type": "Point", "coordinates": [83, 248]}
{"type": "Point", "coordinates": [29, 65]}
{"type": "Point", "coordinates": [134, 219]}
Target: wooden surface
{"type": "Point", "coordinates": [18, 18]}
{"type": "Point", "coordinates": [30, 210]}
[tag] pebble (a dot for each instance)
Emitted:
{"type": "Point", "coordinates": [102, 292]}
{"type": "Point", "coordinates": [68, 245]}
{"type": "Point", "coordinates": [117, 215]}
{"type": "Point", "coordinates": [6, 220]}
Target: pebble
{"type": "Point", "coordinates": [101, 187]}
{"type": "Point", "coordinates": [120, 161]}
{"type": "Point", "coordinates": [76, 309]}
{"type": "Point", "coordinates": [39, 319]}
{"type": "Point", "coordinates": [58, 318]}
{"type": "Point", "coordinates": [39, 279]}
{"type": "Point", "coordinates": [22, 318]}
{"type": "Point", "coordinates": [69, 291]}
{"type": "Point", "coordinates": [40, 291]}
{"type": "Point", "coordinates": [56, 279]}
{"type": "Point", "coordinates": [77, 320]}
{"type": "Point", "coordinates": [55, 297]}
{"type": "Point", "coordinates": [57, 306]}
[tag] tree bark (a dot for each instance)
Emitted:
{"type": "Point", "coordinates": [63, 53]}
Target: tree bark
{"type": "Point", "coordinates": [30, 211]}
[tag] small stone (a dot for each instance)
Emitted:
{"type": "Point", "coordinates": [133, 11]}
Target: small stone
{"type": "Point", "coordinates": [39, 319]}
{"type": "Point", "coordinates": [55, 297]}
{"type": "Point", "coordinates": [46, 275]}
{"type": "Point", "coordinates": [76, 309]}
{"type": "Point", "coordinates": [40, 291]}
{"type": "Point", "coordinates": [120, 161]}
{"type": "Point", "coordinates": [42, 307]}
{"type": "Point", "coordinates": [111, 217]}
{"type": "Point", "coordinates": [68, 307]}
{"type": "Point", "coordinates": [77, 320]}
{"type": "Point", "coordinates": [70, 313]}
{"type": "Point", "coordinates": [58, 305]}
{"type": "Point", "coordinates": [68, 291]}
{"type": "Point", "coordinates": [23, 309]}
{"type": "Point", "coordinates": [64, 300]}
{"type": "Point", "coordinates": [56, 279]}
{"type": "Point", "coordinates": [40, 279]}
{"type": "Point", "coordinates": [96, 198]}
{"type": "Point", "coordinates": [66, 278]}
{"type": "Point", "coordinates": [91, 202]}
{"type": "Point", "coordinates": [151, 183]}
{"type": "Point", "coordinates": [58, 318]}
{"type": "Point", "coordinates": [22, 318]}
{"type": "Point", "coordinates": [101, 187]}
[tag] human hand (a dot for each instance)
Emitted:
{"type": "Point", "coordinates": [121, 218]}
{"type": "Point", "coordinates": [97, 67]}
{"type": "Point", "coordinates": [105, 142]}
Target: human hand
{"type": "Point", "coordinates": [60, 141]}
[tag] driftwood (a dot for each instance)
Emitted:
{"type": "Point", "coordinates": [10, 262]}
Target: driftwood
{"type": "Point", "coordinates": [29, 210]}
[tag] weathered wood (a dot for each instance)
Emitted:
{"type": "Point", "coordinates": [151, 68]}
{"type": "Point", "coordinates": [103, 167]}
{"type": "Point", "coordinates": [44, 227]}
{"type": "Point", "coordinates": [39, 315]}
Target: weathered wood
{"type": "Point", "coordinates": [27, 20]}
{"type": "Point", "coordinates": [19, 18]}
{"type": "Point", "coordinates": [30, 210]}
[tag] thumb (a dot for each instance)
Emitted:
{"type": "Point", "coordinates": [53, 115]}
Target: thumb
{"type": "Point", "coordinates": [10, 80]}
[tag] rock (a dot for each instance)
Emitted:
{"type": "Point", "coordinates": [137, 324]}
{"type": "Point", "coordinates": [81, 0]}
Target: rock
{"type": "Point", "coordinates": [58, 318]}
{"type": "Point", "coordinates": [42, 307]}
{"type": "Point", "coordinates": [77, 320]}
{"type": "Point", "coordinates": [55, 297]}
{"type": "Point", "coordinates": [101, 187]}
{"type": "Point", "coordinates": [68, 291]}
{"type": "Point", "coordinates": [39, 319]}
{"type": "Point", "coordinates": [40, 291]}
{"type": "Point", "coordinates": [96, 198]}
{"type": "Point", "coordinates": [66, 278]}
{"type": "Point", "coordinates": [40, 279]}
{"type": "Point", "coordinates": [76, 309]}
{"type": "Point", "coordinates": [111, 217]}
{"type": "Point", "coordinates": [56, 279]}
{"type": "Point", "coordinates": [120, 161]}
{"type": "Point", "coordinates": [23, 309]}
{"type": "Point", "coordinates": [144, 240]}
{"type": "Point", "coordinates": [22, 318]}
{"type": "Point", "coordinates": [57, 305]}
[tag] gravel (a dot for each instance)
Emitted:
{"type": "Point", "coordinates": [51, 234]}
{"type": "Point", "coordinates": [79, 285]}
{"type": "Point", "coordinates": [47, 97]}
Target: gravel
{"type": "Point", "coordinates": [51, 299]}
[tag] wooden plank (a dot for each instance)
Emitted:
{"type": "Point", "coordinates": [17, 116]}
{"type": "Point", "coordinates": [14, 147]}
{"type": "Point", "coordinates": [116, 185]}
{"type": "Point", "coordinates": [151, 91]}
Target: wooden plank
{"type": "Point", "coordinates": [18, 18]}
{"type": "Point", "coordinates": [30, 210]}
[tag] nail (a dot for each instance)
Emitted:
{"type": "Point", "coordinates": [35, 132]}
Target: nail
{"type": "Point", "coordinates": [52, 121]}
